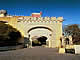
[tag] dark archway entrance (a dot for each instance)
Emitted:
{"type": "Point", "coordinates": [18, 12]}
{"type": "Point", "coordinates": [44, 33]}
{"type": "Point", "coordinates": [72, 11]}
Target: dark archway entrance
{"type": "Point", "coordinates": [39, 41]}
{"type": "Point", "coordinates": [67, 41]}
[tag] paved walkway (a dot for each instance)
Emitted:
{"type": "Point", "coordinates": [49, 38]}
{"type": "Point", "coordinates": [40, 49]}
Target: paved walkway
{"type": "Point", "coordinates": [36, 54]}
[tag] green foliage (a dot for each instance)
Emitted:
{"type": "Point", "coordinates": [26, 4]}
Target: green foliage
{"type": "Point", "coordinates": [36, 42]}
{"type": "Point", "coordinates": [73, 30]}
{"type": "Point", "coordinates": [8, 35]}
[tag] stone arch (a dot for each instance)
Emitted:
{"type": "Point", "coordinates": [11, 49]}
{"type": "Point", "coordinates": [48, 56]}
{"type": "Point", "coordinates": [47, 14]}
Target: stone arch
{"type": "Point", "coordinates": [26, 28]}
{"type": "Point", "coordinates": [48, 33]}
{"type": "Point", "coordinates": [39, 27]}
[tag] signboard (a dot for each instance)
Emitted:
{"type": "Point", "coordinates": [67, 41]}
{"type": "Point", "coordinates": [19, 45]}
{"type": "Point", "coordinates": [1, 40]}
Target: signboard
{"type": "Point", "coordinates": [77, 49]}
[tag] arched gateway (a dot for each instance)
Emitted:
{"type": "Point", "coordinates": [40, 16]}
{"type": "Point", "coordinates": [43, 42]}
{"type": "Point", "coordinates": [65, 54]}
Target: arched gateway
{"type": "Point", "coordinates": [46, 30]}
{"type": "Point", "coordinates": [41, 34]}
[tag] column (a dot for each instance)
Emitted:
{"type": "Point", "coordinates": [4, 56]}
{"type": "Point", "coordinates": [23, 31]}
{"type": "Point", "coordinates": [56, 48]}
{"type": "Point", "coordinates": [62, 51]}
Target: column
{"type": "Point", "coordinates": [30, 41]}
{"type": "Point", "coordinates": [47, 43]}
{"type": "Point", "coordinates": [70, 40]}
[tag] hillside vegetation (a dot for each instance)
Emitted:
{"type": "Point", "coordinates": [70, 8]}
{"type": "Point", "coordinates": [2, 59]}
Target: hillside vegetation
{"type": "Point", "coordinates": [8, 35]}
{"type": "Point", "coordinates": [74, 31]}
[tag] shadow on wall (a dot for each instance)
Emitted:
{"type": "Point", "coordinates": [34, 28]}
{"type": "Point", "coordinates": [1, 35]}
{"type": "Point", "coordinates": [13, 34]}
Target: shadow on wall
{"type": "Point", "coordinates": [9, 36]}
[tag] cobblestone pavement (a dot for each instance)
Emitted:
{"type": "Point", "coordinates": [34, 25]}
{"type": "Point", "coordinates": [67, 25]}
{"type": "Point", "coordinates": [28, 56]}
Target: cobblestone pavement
{"type": "Point", "coordinates": [37, 54]}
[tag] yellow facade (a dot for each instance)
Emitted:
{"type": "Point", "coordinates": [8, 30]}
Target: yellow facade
{"type": "Point", "coordinates": [51, 27]}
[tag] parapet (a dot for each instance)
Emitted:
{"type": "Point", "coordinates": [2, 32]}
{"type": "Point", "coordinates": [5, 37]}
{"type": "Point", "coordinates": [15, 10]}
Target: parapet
{"type": "Point", "coordinates": [60, 19]}
{"type": "Point", "coordinates": [40, 19]}
{"type": "Point", "coordinates": [29, 19]}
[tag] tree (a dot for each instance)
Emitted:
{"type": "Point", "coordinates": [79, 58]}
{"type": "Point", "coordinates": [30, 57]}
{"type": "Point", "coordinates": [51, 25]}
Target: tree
{"type": "Point", "coordinates": [74, 31]}
{"type": "Point", "coordinates": [8, 35]}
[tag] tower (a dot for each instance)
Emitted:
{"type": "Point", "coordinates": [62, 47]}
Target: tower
{"type": "Point", "coordinates": [3, 13]}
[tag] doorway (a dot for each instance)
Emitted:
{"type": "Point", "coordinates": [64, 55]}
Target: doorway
{"type": "Point", "coordinates": [39, 41]}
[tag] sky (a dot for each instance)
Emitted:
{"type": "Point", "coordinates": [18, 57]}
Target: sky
{"type": "Point", "coordinates": [68, 9]}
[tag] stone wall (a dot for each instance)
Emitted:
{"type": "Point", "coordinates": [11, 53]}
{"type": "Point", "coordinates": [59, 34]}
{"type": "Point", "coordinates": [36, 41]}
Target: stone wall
{"type": "Point", "coordinates": [24, 24]}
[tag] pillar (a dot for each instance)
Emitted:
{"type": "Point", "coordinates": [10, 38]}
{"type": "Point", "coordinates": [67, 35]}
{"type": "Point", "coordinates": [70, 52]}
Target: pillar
{"type": "Point", "coordinates": [30, 41]}
{"type": "Point", "coordinates": [70, 40]}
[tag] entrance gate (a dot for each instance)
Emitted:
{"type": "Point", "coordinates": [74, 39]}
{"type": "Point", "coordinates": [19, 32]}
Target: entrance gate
{"type": "Point", "coordinates": [40, 36]}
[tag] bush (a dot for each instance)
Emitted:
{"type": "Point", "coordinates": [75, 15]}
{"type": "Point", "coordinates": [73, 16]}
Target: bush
{"type": "Point", "coordinates": [8, 35]}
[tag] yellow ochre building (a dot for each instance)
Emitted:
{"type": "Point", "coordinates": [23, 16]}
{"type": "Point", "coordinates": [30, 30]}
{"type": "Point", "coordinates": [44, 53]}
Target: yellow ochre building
{"type": "Point", "coordinates": [35, 27]}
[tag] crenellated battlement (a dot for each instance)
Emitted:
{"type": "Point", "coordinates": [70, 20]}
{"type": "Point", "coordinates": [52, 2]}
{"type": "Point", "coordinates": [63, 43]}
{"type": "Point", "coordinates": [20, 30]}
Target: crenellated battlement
{"type": "Point", "coordinates": [29, 19]}
{"type": "Point", "coordinates": [40, 19]}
